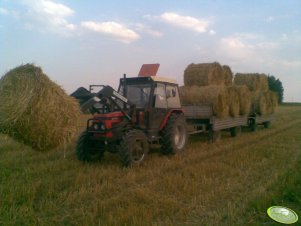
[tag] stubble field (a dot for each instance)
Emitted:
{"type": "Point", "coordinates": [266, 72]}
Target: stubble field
{"type": "Point", "coordinates": [231, 182]}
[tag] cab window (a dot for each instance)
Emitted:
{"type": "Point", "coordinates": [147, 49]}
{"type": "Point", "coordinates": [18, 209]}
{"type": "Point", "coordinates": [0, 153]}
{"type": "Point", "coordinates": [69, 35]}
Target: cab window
{"type": "Point", "coordinates": [160, 96]}
{"type": "Point", "coordinates": [172, 94]}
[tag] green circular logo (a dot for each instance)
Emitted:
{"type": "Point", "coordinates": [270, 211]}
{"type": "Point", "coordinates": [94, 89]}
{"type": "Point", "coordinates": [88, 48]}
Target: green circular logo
{"type": "Point", "coordinates": [282, 214]}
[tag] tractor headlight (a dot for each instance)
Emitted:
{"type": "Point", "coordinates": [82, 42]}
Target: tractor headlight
{"type": "Point", "coordinates": [95, 127]}
{"type": "Point", "coordinates": [99, 126]}
{"type": "Point", "coordinates": [102, 127]}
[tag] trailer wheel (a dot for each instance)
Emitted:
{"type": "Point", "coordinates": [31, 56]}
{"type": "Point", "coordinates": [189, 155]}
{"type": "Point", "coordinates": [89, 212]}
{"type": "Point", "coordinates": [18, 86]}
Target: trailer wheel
{"type": "Point", "coordinates": [235, 131]}
{"type": "Point", "coordinates": [88, 150]}
{"type": "Point", "coordinates": [266, 125]}
{"type": "Point", "coordinates": [253, 127]}
{"type": "Point", "coordinates": [134, 148]}
{"type": "Point", "coordinates": [174, 136]}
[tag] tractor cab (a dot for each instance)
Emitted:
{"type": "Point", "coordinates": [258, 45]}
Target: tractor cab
{"type": "Point", "coordinates": [154, 99]}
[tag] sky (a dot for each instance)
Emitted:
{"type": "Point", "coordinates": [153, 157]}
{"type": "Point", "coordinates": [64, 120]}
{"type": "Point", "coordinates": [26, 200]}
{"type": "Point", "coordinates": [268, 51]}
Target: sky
{"type": "Point", "coordinates": [78, 42]}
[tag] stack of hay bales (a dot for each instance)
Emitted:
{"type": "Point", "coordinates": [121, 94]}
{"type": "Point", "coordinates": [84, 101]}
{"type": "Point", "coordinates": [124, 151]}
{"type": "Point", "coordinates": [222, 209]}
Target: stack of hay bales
{"type": "Point", "coordinates": [263, 100]}
{"type": "Point", "coordinates": [215, 95]}
{"type": "Point", "coordinates": [255, 81]}
{"type": "Point", "coordinates": [211, 83]}
{"type": "Point", "coordinates": [35, 110]}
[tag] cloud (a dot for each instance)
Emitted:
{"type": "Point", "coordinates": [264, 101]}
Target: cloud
{"type": "Point", "coordinates": [188, 22]}
{"type": "Point", "coordinates": [49, 16]}
{"type": "Point", "coordinates": [148, 30]}
{"type": "Point", "coordinates": [212, 32]}
{"type": "Point", "coordinates": [4, 11]}
{"type": "Point", "coordinates": [291, 63]}
{"type": "Point", "coordinates": [236, 48]}
{"type": "Point", "coordinates": [246, 45]}
{"type": "Point", "coordinates": [8, 12]}
{"type": "Point", "coordinates": [270, 19]}
{"type": "Point", "coordinates": [113, 29]}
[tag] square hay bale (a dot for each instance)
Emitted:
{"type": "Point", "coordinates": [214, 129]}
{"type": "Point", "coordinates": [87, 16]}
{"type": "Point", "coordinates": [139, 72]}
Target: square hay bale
{"type": "Point", "coordinates": [204, 74]}
{"type": "Point", "coordinates": [215, 95]}
{"type": "Point", "coordinates": [35, 110]}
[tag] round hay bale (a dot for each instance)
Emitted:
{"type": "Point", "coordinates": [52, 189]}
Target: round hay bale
{"type": "Point", "coordinates": [263, 105]}
{"type": "Point", "coordinates": [274, 99]}
{"type": "Point", "coordinates": [35, 110]}
{"type": "Point", "coordinates": [255, 81]}
{"type": "Point", "coordinates": [204, 74]}
{"type": "Point", "coordinates": [228, 75]}
{"type": "Point", "coordinates": [244, 99]}
{"type": "Point", "coordinates": [260, 102]}
{"type": "Point", "coordinates": [233, 101]}
{"type": "Point", "coordinates": [215, 95]}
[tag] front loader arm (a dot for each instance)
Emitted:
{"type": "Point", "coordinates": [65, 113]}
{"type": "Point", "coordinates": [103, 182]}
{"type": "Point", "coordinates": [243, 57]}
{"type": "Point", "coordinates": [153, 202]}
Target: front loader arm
{"type": "Point", "coordinates": [112, 95]}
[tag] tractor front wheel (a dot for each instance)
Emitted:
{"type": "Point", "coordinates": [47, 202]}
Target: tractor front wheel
{"type": "Point", "coordinates": [134, 148]}
{"type": "Point", "coordinates": [88, 150]}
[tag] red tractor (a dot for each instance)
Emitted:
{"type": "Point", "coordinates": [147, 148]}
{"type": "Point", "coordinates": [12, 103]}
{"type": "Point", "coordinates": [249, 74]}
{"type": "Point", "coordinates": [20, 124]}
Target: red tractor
{"type": "Point", "coordinates": [144, 110]}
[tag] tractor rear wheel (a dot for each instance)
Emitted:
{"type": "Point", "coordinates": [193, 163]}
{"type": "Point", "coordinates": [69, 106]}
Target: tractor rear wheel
{"type": "Point", "coordinates": [88, 150]}
{"type": "Point", "coordinates": [134, 148]}
{"type": "Point", "coordinates": [174, 136]}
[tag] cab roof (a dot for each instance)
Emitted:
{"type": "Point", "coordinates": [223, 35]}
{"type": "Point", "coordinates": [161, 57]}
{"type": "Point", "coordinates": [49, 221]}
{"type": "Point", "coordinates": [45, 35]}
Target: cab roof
{"type": "Point", "coordinates": [163, 79]}
{"type": "Point", "coordinates": [153, 78]}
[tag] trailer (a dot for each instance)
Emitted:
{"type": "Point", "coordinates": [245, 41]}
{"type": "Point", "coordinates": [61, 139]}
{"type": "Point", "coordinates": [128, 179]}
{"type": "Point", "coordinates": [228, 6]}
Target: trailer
{"type": "Point", "coordinates": [201, 119]}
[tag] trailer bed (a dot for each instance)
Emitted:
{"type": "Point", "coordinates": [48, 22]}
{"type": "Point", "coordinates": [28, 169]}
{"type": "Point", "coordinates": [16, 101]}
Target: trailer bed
{"type": "Point", "coordinates": [200, 119]}
{"type": "Point", "coordinates": [204, 113]}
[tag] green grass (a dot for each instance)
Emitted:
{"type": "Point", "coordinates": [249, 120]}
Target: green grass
{"type": "Point", "coordinates": [231, 182]}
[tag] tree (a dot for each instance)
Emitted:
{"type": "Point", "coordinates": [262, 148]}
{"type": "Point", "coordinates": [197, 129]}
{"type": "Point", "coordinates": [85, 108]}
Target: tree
{"type": "Point", "coordinates": [276, 86]}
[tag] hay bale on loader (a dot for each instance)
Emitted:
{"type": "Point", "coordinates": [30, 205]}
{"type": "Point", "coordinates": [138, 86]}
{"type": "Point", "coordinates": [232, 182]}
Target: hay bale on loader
{"type": "Point", "coordinates": [254, 82]}
{"type": "Point", "coordinates": [204, 74]}
{"type": "Point", "coordinates": [215, 95]}
{"type": "Point", "coordinates": [35, 110]}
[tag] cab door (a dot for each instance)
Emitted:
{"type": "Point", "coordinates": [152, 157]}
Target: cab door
{"type": "Point", "coordinates": [159, 108]}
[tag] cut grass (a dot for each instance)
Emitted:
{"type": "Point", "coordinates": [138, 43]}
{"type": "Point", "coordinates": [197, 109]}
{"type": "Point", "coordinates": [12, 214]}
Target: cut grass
{"type": "Point", "coordinates": [232, 182]}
